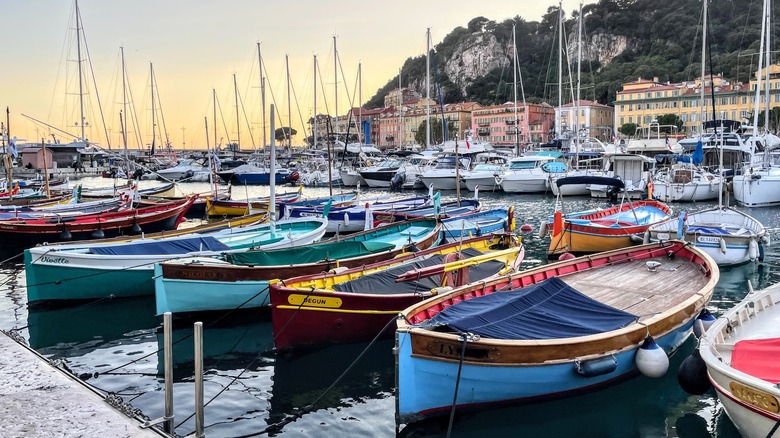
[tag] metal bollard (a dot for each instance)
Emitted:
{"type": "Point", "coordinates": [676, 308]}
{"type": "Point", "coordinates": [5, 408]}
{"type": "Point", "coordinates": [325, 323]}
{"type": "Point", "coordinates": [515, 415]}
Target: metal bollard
{"type": "Point", "coordinates": [198, 334]}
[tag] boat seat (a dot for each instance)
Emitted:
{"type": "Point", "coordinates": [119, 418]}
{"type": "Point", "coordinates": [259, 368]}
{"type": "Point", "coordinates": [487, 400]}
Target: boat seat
{"type": "Point", "coordinates": [612, 223]}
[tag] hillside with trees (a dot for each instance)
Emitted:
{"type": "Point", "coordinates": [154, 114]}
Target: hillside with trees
{"type": "Point", "coordinates": [622, 41]}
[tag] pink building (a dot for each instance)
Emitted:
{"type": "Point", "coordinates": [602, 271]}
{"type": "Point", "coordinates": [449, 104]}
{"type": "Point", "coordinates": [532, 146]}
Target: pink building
{"type": "Point", "coordinates": [497, 124]}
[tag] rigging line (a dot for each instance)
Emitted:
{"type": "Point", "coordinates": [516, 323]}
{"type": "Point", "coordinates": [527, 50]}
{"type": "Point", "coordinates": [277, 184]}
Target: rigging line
{"type": "Point", "coordinates": [224, 125]}
{"type": "Point", "coordinates": [273, 99]}
{"type": "Point", "coordinates": [298, 107]}
{"type": "Point", "coordinates": [209, 324]}
{"type": "Point", "coordinates": [133, 114]}
{"type": "Point", "coordinates": [344, 81]}
{"type": "Point", "coordinates": [72, 310]}
{"type": "Point", "coordinates": [248, 126]}
{"type": "Point", "coordinates": [322, 87]}
{"type": "Point", "coordinates": [276, 427]}
{"type": "Point", "coordinates": [94, 82]}
{"type": "Point", "coordinates": [159, 104]}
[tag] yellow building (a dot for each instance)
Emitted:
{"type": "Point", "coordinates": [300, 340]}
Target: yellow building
{"type": "Point", "coordinates": [644, 100]}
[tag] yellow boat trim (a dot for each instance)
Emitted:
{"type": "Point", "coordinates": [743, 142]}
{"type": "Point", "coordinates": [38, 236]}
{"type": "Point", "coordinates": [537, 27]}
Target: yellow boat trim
{"type": "Point", "coordinates": [357, 312]}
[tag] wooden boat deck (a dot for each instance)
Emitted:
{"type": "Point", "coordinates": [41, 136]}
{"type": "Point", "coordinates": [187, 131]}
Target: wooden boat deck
{"type": "Point", "coordinates": [634, 288]}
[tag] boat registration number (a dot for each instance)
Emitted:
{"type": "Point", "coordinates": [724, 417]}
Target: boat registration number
{"type": "Point", "coordinates": [708, 239]}
{"type": "Point", "coordinates": [663, 236]}
{"type": "Point", "coordinates": [754, 397]}
{"type": "Point", "coordinates": [314, 301]}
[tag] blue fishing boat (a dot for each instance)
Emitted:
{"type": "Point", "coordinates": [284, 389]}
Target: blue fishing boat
{"type": "Point", "coordinates": [553, 331]}
{"type": "Point", "coordinates": [479, 223]}
{"type": "Point", "coordinates": [83, 271]}
{"type": "Point", "coordinates": [240, 280]}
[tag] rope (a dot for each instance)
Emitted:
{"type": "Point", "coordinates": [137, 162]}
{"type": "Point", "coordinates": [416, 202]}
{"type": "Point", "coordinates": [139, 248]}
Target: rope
{"type": "Point", "coordinates": [189, 335]}
{"type": "Point", "coordinates": [465, 337]}
{"type": "Point", "coordinates": [2, 262]}
{"type": "Point", "coordinates": [276, 427]}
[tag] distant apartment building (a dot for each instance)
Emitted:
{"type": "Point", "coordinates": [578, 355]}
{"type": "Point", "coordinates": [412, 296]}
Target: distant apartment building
{"type": "Point", "coordinates": [644, 100]}
{"type": "Point", "coordinates": [457, 113]}
{"type": "Point", "coordinates": [594, 119]}
{"type": "Point", "coordinates": [497, 125]}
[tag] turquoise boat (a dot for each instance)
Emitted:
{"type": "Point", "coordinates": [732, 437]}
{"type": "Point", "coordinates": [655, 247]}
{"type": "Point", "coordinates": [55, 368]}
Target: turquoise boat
{"type": "Point", "coordinates": [241, 280]}
{"type": "Point", "coordinates": [88, 271]}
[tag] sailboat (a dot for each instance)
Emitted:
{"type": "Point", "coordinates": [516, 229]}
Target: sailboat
{"type": "Point", "coordinates": [553, 173]}
{"type": "Point", "coordinates": [728, 235]}
{"type": "Point", "coordinates": [759, 185]}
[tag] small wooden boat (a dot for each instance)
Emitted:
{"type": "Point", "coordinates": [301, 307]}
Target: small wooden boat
{"type": "Point", "coordinates": [241, 280]}
{"type": "Point", "coordinates": [553, 331]}
{"type": "Point", "coordinates": [445, 210]}
{"type": "Point", "coordinates": [741, 351]}
{"type": "Point", "coordinates": [231, 208]}
{"type": "Point", "coordinates": [602, 230]}
{"type": "Point", "coordinates": [353, 218]}
{"type": "Point", "coordinates": [360, 303]}
{"type": "Point", "coordinates": [728, 235]}
{"type": "Point", "coordinates": [24, 233]}
{"type": "Point", "coordinates": [479, 223]}
{"type": "Point", "coordinates": [90, 271]}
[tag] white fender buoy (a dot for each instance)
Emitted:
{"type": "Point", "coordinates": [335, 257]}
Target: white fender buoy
{"type": "Point", "coordinates": [722, 243]}
{"type": "Point", "coordinates": [753, 250]}
{"type": "Point", "coordinates": [766, 240]}
{"type": "Point", "coordinates": [651, 360]}
{"type": "Point", "coordinates": [543, 229]}
{"type": "Point", "coordinates": [646, 237]}
{"type": "Point", "coordinates": [346, 219]}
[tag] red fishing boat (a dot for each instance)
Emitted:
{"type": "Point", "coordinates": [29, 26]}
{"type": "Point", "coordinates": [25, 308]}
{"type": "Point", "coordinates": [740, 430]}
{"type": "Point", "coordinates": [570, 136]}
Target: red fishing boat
{"type": "Point", "coordinates": [24, 233]}
{"type": "Point", "coordinates": [359, 304]}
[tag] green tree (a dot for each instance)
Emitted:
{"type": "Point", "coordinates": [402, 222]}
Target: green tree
{"type": "Point", "coordinates": [670, 119]}
{"type": "Point", "coordinates": [436, 134]}
{"type": "Point", "coordinates": [284, 133]}
{"type": "Point", "coordinates": [628, 129]}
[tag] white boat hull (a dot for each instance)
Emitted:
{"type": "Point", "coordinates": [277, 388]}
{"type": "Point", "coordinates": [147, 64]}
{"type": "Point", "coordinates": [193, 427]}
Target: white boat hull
{"type": "Point", "coordinates": [442, 183]}
{"type": "Point", "coordinates": [688, 192]}
{"type": "Point", "coordinates": [750, 402]}
{"type": "Point", "coordinates": [759, 189]}
{"type": "Point", "coordinates": [534, 184]}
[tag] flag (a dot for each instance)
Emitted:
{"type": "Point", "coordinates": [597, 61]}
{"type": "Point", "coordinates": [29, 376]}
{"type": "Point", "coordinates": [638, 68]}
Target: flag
{"type": "Point", "coordinates": [217, 161]}
{"type": "Point", "coordinates": [668, 145]}
{"type": "Point", "coordinates": [326, 209]}
{"type": "Point", "coordinates": [436, 204]}
{"type": "Point", "coordinates": [12, 146]}
{"type": "Point", "coordinates": [468, 145]}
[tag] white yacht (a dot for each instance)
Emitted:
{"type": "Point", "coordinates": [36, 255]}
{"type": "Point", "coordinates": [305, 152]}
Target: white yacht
{"type": "Point", "coordinates": [526, 175]}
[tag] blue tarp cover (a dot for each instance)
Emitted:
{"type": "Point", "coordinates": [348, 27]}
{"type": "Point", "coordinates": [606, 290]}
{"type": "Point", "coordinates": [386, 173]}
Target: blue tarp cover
{"type": "Point", "coordinates": [547, 310]}
{"type": "Point", "coordinates": [177, 246]}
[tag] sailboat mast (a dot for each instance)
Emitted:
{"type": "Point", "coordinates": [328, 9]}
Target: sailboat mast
{"type": "Point", "coordinates": [123, 118]}
{"type": "Point", "coordinates": [262, 91]}
{"type": "Point", "coordinates": [238, 124]}
{"type": "Point", "coordinates": [154, 120]}
{"type": "Point", "coordinates": [764, 27]}
{"type": "Point", "coordinates": [81, 78]}
{"type": "Point", "coordinates": [400, 116]}
{"type": "Point", "coordinates": [703, 62]}
{"type": "Point", "coordinates": [560, 68]}
{"type": "Point", "coordinates": [577, 105]}
{"type": "Point", "coordinates": [336, 89]}
{"type": "Point", "coordinates": [428, 88]}
{"type": "Point", "coordinates": [214, 99]}
{"type": "Point", "coordinates": [514, 80]}
{"type": "Point", "coordinates": [314, 134]}
{"type": "Point", "coordinates": [289, 103]}
{"type": "Point", "coordinates": [360, 102]}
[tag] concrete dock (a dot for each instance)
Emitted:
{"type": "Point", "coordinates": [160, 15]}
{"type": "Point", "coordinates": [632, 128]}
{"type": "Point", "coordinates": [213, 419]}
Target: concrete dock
{"type": "Point", "coordinates": [40, 400]}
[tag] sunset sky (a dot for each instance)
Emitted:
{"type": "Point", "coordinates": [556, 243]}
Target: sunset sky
{"type": "Point", "coordinates": [196, 46]}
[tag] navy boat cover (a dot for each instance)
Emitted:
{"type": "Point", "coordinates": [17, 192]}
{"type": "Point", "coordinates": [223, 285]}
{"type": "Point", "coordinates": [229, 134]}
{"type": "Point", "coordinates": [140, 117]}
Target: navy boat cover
{"type": "Point", "coordinates": [163, 247]}
{"type": "Point", "coordinates": [548, 310]}
{"type": "Point", "coordinates": [383, 282]}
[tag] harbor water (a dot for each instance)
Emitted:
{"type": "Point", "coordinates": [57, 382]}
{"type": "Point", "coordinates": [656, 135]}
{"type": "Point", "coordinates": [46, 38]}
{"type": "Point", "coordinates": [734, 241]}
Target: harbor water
{"type": "Point", "coordinates": [347, 390]}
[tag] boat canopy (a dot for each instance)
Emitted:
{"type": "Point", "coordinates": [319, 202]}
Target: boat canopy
{"type": "Point", "coordinates": [308, 253]}
{"type": "Point", "coordinates": [602, 180]}
{"type": "Point", "coordinates": [548, 310]}
{"type": "Point", "coordinates": [383, 282]}
{"type": "Point", "coordinates": [162, 247]}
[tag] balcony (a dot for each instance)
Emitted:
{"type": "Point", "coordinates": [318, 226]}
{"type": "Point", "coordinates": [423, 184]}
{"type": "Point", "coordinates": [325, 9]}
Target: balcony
{"type": "Point", "coordinates": [483, 132]}
{"type": "Point", "coordinates": [510, 121]}
{"type": "Point", "coordinates": [483, 123]}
